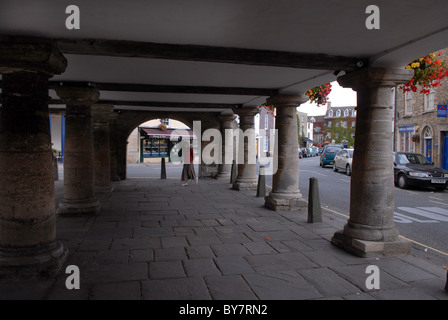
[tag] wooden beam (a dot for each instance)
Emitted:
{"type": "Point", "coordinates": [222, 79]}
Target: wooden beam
{"type": "Point", "coordinates": [160, 104]}
{"type": "Point", "coordinates": [149, 50]}
{"type": "Point", "coordinates": [138, 87]}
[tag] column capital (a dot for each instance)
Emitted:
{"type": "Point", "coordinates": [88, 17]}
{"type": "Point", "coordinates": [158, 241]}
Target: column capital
{"type": "Point", "coordinates": [227, 117]}
{"type": "Point", "coordinates": [22, 56]}
{"type": "Point", "coordinates": [247, 111]}
{"type": "Point", "coordinates": [375, 77]}
{"type": "Point", "coordinates": [78, 95]}
{"type": "Point", "coordinates": [287, 100]}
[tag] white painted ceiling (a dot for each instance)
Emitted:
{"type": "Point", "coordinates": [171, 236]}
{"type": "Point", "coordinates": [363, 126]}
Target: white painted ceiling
{"type": "Point", "coordinates": [408, 30]}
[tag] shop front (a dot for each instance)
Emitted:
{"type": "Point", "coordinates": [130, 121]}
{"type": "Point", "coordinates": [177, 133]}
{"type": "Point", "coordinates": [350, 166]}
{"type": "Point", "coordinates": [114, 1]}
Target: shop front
{"type": "Point", "coordinates": [156, 143]}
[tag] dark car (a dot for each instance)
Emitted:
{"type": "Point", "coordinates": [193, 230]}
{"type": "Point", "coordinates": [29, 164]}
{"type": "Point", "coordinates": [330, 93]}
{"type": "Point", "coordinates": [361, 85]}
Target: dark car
{"type": "Point", "coordinates": [413, 169]}
{"type": "Point", "coordinates": [328, 154]}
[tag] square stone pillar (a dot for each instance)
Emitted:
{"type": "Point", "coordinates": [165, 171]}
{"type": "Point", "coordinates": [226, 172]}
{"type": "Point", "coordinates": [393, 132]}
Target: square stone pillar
{"type": "Point", "coordinates": [224, 168]}
{"type": "Point", "coordinates": [370, 230]}
{"type": "Point", "coordinates": [27, 202]}
{"type": "Point", "coordinates": [246, 158]}
{"type": "Point", "coordinates": [101, 147]}
{"type": "Point", "coordinates": [285, 194]}
{"type": "Point", "coordinates": [113, 117]}
{"type": "Point", "coordinates": [79, 182]}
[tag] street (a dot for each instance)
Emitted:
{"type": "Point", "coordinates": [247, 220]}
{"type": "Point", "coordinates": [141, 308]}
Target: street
{"type": "Point", "coordinates": [421, 216]}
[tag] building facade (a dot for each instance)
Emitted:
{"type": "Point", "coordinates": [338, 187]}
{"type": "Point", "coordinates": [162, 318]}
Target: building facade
{"type": "Point", "coordinates": [266, 122]}
{"type": "Point", "coordinates": [421, 123]}
{"type": "Point", "coordinates": [337, 126]}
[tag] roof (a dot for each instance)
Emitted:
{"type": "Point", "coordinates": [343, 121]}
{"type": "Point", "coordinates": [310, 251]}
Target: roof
{"type": "Point", "coordinates": [211, 56]}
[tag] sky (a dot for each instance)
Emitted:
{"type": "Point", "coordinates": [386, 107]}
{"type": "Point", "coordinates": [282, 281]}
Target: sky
{"type": "Point", "coordinates": [339, 97]}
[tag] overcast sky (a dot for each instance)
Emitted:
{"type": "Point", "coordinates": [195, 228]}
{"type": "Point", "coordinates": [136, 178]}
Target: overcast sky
{"type": "Point", "coordinates": [339, 97]}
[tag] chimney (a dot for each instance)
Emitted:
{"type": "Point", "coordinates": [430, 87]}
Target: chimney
{"type": "Point", "coordinates": [328, 105]}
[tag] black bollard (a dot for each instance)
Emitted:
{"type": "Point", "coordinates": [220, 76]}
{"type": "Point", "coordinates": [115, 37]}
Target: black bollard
{"type": "Point", "coordinates": [163, 171]}
{"type": "Point", "coordinates": [55, 169]}
{"type": "Point", "coordinates": [446, 284]}
{"type": "Point", "coordinates": [314, 208]}
{"type": "Point", "coordinates": [261, 188]}
{"type": "Point", "coordinates": [233, 172]}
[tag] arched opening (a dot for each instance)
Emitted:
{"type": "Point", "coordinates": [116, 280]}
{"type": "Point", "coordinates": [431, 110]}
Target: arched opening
{"type": "Point", "coordinates": [154, 140]}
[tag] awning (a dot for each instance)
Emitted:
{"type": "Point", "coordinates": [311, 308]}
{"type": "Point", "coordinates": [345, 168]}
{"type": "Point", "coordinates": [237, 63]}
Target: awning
{"type": "Point", "coordinates": [168, 133]}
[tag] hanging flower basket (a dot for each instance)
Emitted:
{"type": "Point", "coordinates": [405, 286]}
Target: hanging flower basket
{"type": "Point", "coordinates": [319, 95]}
{"type": "Point", "coordinates": [162, 127]}
{"type": "Point", "coordinates": [428, 73]}
{"type": "Point", "coordinates": [415, 138]}
{"type": "Point", "coordinates": [268, 108]}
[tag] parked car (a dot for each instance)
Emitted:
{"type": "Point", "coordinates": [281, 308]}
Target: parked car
{"type": "Point", "coordinates": [343, 161]}
{"type": "Point", "coordinates": [305, 153]}
{"type": "Point", "coordinates": [327, 156]}
{"type": "Point", "coordinates": [314, 151]}
{"type": "Point", "coordinates": [413, 169]}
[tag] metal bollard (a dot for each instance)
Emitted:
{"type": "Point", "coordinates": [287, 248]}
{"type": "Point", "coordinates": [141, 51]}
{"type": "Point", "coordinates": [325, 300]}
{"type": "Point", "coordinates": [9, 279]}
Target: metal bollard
{"type": "Point", "coordinates": [314, 208]}
{"type": "Point", "coordinates": [446, 284]}
{"type": "Point", "coordinates": [261, 187]}
{"type": "Point", "coordinates": [55, 169]}
{"type": "Point", "coordinates": [163, 171]}
{"type": "Point", "coordinates": [233, 172]}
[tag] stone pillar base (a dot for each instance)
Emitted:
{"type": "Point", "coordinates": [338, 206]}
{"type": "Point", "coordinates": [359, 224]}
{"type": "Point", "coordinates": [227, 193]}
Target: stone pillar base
{"type": "Point", "coordinates": [86, 206]}
{"type": "Point", "coordinates": [369, 249]}
{"type": "Point", "coordinates": [285, 201]}
{"type": "Point", "coordinates": [32, 263]}
{"type": "Point", "coordinates": [104, 189]}
{"type": "Point", "coordinates": [223, 176]}
{"type": "Point", "coordinates": [245, 184]}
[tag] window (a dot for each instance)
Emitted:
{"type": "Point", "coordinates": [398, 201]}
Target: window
{"type": "Point", "coordinates": [344, 124]}
{"type": "Point", "coordinates": [330, 113]}
{"type": "Point", "coordinates": [265, 144]}
{"type": "Point", "coordinates": [165, 121]}
{"type": "Point", "coordinates": [338, 113]}
{"type": "Point", "coordinates": [353, 113]}
{"type": "Point", "coordinates": [346, 113]}
{"type": "Point", "coordinates": [428, 101]}
{"type": "Point", "coordinates": [408, 103]}
{"type": "Point", "coordinates": [266, 121]}
{"type": "Point", "coordinates": [329, 124]}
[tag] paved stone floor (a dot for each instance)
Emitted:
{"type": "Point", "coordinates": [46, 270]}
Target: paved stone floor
{"type": "Point", "coordinates": [155, 239]}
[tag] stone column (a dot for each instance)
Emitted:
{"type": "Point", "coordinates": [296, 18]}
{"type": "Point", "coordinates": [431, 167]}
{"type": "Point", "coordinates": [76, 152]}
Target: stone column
{"type": "Point", "coordinates": [370, 230]}
{"type": "Point", "coordinates": [27, 201]}
{"type": "Point", "coordinates": [285, 194]}
{"type": "Point", "coordinates": [246, 155]}
{"type": "Point", "coordinates": [101, 147]}
{"type": "Point", "coordinates": [227, 146]}
{"type": "Point", "coordinates": [113, 146]}
{"type": "Point", "coordinates": [79, 183]}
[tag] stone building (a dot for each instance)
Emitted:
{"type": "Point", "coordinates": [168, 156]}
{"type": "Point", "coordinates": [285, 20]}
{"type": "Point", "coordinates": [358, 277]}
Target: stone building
{"type": "Point", "coordinates": [190, 63]}
{"type": "Point", "coordinates": [337, 126]}
{"type": "Point", "coordinates": [421, 125]}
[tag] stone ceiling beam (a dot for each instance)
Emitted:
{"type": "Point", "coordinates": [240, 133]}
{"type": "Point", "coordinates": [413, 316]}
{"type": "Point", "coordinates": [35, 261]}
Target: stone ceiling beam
{"type": "Point", "coordinates": [268, 58]}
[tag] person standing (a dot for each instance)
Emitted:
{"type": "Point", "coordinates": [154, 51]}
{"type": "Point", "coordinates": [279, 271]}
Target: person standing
{"type": "Point", "coordinates": [188, 172]}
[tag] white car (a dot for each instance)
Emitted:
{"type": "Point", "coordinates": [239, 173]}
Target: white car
{"type": "Point", "coordinates": [343, 161]}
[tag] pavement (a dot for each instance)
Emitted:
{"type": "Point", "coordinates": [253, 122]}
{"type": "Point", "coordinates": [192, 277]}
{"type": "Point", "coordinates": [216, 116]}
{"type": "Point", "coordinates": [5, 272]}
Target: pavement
{"type": "Point", "coordinates": [157, 240]}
